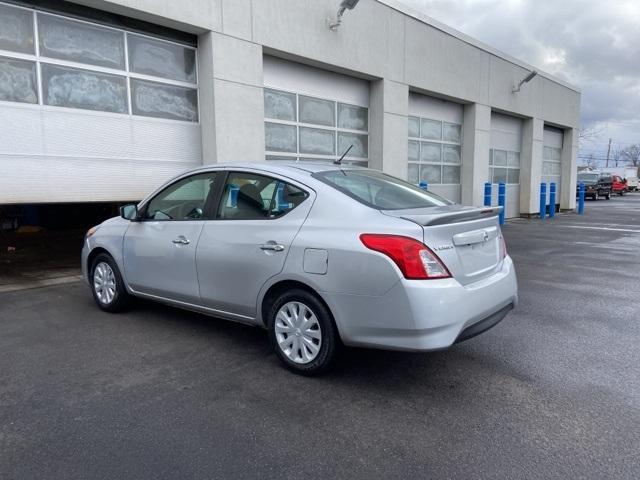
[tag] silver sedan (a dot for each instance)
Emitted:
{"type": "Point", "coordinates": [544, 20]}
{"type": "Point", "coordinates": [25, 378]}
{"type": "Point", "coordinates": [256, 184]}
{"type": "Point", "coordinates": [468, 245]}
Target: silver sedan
{"type": "Point", "coordinates": [320, 255]}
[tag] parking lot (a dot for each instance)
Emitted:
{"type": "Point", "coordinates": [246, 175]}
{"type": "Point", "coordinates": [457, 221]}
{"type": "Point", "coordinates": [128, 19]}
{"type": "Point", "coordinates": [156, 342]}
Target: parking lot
{"type": "Point", "coordinates": [551, 392]}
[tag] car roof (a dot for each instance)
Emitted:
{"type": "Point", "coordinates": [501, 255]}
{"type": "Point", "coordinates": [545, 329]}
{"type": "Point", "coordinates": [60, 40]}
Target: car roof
{"type": "Point", "coordinates": [280, 166]}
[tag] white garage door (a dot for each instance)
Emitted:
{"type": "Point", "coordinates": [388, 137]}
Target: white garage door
{"type": "Point", "coordinates": [504, 160]}
{"type": "Point", "coordinates": [435, 144]}
{"type": "Point", "coordinates": [314, 114]}
{"type": "Point", "coordinates": [552, 159]}
{"type": "Point", "coordinates": [90, 112]}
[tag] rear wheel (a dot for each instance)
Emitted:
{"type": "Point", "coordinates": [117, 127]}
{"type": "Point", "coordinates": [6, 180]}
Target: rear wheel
{"type": "Point", "coordinates": [302, 332]}
{"type": "Point", "coordinates": [107, 286]}
{"type": "Point", "coordinates": [608, 196]}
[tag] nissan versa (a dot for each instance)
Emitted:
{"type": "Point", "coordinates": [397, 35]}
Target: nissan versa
{"type": "Point", "coordinates": [318, 254]}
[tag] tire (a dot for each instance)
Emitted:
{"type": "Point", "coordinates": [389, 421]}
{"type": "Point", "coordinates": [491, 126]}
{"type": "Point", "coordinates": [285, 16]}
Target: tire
{"type": "Point", "coordinates": [608, 196]}
{"type": "Point", "coordinates": [293, 342]}
{"type": "Point", "coordinates": [104, 270]}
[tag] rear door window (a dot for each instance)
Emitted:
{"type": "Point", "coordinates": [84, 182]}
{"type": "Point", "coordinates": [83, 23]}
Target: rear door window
{"type": "Point", "coordinates": [250, 196]}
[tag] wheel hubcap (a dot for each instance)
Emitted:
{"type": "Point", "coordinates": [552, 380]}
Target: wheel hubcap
{"type": "Point", "coordinates": [104, 283]}
{"type": "Point", "coordinates": [298, 332]}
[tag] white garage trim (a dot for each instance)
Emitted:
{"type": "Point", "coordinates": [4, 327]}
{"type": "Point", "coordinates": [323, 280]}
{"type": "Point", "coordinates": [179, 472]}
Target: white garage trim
{"type": "Point", "coordinates": [504, 160]}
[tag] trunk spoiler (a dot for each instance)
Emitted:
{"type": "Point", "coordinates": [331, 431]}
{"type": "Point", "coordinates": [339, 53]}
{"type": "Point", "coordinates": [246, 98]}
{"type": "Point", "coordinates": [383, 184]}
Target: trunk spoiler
{"type": "Point", "coordinates": [446, 215]}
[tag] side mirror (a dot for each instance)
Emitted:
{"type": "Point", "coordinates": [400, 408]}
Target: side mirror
{"type": "Point", "coordinates": [129, 212]}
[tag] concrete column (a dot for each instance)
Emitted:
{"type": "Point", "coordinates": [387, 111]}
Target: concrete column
{"type": "Point", "coordinates": [388, 129]}
{"type": "Point", "coordinates": [231, 99]}
{"type": "Point", "coordinates": [569, 169]}
{"type": "Point", "coordinates": [531, 166]}
{"type": "Point", "coordinates": [476, 139]}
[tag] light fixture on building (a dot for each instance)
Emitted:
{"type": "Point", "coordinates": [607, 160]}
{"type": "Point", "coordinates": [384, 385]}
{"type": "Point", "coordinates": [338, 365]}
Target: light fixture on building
{"type": "Point", "coordinates": [334, 23]}
{"type": "Point", "coordinates": [526, 79]}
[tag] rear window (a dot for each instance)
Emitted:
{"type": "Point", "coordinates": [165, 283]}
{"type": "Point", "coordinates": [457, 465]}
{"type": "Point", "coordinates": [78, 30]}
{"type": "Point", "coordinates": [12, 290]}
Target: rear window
{"type": "Point", "coordinates": [380, 191]}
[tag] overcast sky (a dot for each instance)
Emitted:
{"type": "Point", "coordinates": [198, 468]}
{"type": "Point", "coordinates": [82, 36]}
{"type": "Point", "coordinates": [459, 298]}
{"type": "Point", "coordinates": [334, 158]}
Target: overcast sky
{"type": "Point", "coordinates": [592, 44]}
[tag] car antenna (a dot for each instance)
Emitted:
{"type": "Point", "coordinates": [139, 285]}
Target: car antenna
{"type": "Point", "coordinates": [339, 161]}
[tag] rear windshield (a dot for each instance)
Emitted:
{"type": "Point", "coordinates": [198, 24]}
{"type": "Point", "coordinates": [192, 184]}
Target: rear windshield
{"type": "Point", "coordinates": [380, 191]}
{"type": "Point", "coordinates": [588, 177]}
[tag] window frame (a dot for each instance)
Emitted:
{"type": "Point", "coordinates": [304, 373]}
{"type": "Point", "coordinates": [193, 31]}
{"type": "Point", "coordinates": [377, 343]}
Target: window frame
{"type": "Point", "coordinates": [335, 129]}
{"type": "Point", "coordinates": [208, 210]}
{"type": "Point", "coordinates": [126, 73]}
{"type": "Point", "coordinates": [229, 172]}
{"type": "Point", "coordinates": [441, 142]}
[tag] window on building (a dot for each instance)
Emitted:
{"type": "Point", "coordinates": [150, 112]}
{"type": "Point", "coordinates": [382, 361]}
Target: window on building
{"type": "Point", "coordinates": [435, 151]}
{"type": "Point", "coordinates": [504, 166]}
{"type": "Point", "coordinates": [310, 128]}
{"type": "Point", "coordinates": [551, 162]}
{"type": "Point", "coordinates": [72, 63]}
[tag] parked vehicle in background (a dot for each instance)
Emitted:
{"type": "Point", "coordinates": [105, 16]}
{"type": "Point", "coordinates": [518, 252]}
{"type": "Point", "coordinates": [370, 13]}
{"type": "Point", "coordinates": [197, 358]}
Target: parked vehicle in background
{"type": "Point", "coordinates": [628, 173]}
{"type": "Point", "coordinates": [595, 185]}
{"type": "Point", "coordinates": [317, 254]}
{"type": "Point", "coordinates": [618, 185]}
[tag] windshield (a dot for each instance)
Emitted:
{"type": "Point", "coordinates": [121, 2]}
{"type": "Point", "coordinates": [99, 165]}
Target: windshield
{"type": "Point", "coordinates": [588, 177]}
{"type": "Point", "coordinates": [380, 191]}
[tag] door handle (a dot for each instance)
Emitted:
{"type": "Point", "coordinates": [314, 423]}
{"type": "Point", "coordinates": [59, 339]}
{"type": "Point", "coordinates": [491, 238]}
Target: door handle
{"type": "Point", "coordinates": [181, 241]}
{"type": "Point", "coordinates": [272, 246]}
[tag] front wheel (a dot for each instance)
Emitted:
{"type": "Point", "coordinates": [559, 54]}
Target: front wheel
{"type": "Point", "coordinates": [608, 196]}
{"type": "Point", "coordinates": [107, 285]}
{"type": "Point", "coordinates": [302, 332]}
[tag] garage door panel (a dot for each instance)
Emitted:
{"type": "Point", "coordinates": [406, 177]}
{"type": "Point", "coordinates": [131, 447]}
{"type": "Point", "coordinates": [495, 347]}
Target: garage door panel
{"type": "Point", "coordinates": [435, 144]}
{"type": "Point", "coordinates": [504, 160]}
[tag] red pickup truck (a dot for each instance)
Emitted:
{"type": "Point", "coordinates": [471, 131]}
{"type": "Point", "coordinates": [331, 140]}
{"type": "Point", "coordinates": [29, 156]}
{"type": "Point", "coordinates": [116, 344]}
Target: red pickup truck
{"type": "Point", "coordinates": [618, 185]}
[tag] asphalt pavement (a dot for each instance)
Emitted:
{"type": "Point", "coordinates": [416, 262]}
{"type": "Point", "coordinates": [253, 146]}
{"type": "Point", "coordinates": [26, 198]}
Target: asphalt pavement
{"type": "Point", "coordinates": [551, 392]}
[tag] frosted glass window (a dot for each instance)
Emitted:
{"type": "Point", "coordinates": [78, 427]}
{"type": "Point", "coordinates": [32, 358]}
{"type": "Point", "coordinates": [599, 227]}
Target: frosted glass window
{"type": "Point", "coordinates": [414, 151]}
{"type": "Point", "coordinates": [450, 174]}
{"type": "Point", "coordinates": [279, 157]}
{"type": "Point", "coordinates": [279, 105]}
{"type": "Point", "coordinates": [158, 100]}
{"type": "Point", "coordinates": [352, 117]}
{"type": "Point", "coordinates": [161, 59]}
{"type": "Point", "coordinates": [16, 29]}
{"type": "Point", "coordinates": [413, 173]}
{"type": "Point", "coordinates": [280, 138]}
{"type": "Point", "coordinates": [513, 159]}
{"type": "Point", "coordinates": [500, 158]}
{"type": "Point", "coordinates": [430, 173]}
{"type": "Point", "coordinates": [317, 141]}
{"type": "Point", "coordinates": [431, 152]}
{"type": "Point", "coordinates": [513, 175]}
{"type": "Point", "coordinates": [431, 129]}
{"type": "Point", "coordinates": [452, 132]}
{"type": "Point", "coordinates": [451, 154]}
{"type": "Point", "coordinates": [359, 142]}
{"type": "Point", "coordinates": [18, 81]}
{"type": "Point", "coordinates": [547, 153]}
{"type": "Point", "coordinates": [316, 111]}
{"type": "Point", "coordinates": [499, 175]}
{"type": "Point", "coordinates": [75, 88]}
{"type": "Point", "coordinates": [80, 42]}
{"type": "Point", "coordinates": [414, 127]}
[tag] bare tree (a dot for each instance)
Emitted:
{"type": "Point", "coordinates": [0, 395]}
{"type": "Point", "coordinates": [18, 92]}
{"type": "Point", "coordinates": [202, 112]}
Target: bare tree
{"type": "Point", "coordinates": [616, 156]}
{"type": "Point", "coordinates": [589, 133]}
{"type": "Point", "coordinates": [632, 155]}
{"type": "Point", "coordinates": [591, 162]}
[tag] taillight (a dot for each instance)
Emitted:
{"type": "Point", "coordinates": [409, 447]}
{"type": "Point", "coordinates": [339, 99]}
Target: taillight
{"type": "Point", "coordinates": [413, 258]}
{"type": "Point", "coordinates": [503, 248]}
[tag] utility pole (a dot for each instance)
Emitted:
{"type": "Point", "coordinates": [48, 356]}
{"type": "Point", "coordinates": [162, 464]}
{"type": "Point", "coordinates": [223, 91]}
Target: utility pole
{"type": "Point", "coordinates": [608, 152]}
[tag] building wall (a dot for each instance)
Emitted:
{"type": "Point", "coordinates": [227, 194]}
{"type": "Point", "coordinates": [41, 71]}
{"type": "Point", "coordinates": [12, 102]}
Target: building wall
{"type": "Point", "coordinates": [395, 52]}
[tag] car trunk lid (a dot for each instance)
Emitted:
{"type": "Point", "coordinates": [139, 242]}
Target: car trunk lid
{"type": "Point", "coordinates": [466, 239]}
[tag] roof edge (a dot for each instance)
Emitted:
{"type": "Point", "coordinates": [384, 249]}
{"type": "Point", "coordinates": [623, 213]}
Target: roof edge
{"type": "Point", "coordinates": [410, 12]}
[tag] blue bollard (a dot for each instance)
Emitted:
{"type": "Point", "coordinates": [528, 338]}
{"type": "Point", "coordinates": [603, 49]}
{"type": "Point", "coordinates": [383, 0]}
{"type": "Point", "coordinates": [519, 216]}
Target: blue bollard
{"type": "Point", "coordinates": [581, 199]}
{"type": "Point", "coordinates": [487, 194]}
{"type": "Point", "coordinates": [502, 197]}
{"type": "Point", "coordinates": [543, 200]}
{"type": "Point", "coordinates": [552, 200]}
{"type": "Point", "coordinates": [424, 185]}
{"type": "Point", "coordinates": [233, 195]}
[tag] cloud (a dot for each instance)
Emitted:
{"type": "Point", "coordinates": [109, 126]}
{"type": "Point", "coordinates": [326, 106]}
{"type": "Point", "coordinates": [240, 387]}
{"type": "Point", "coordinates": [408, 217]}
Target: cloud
{"type": "Point", "coordinates": [591, 44]}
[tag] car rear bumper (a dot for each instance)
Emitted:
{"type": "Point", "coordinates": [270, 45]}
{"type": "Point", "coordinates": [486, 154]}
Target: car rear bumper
{"type": "Point", "coordinates": [423, 315]}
